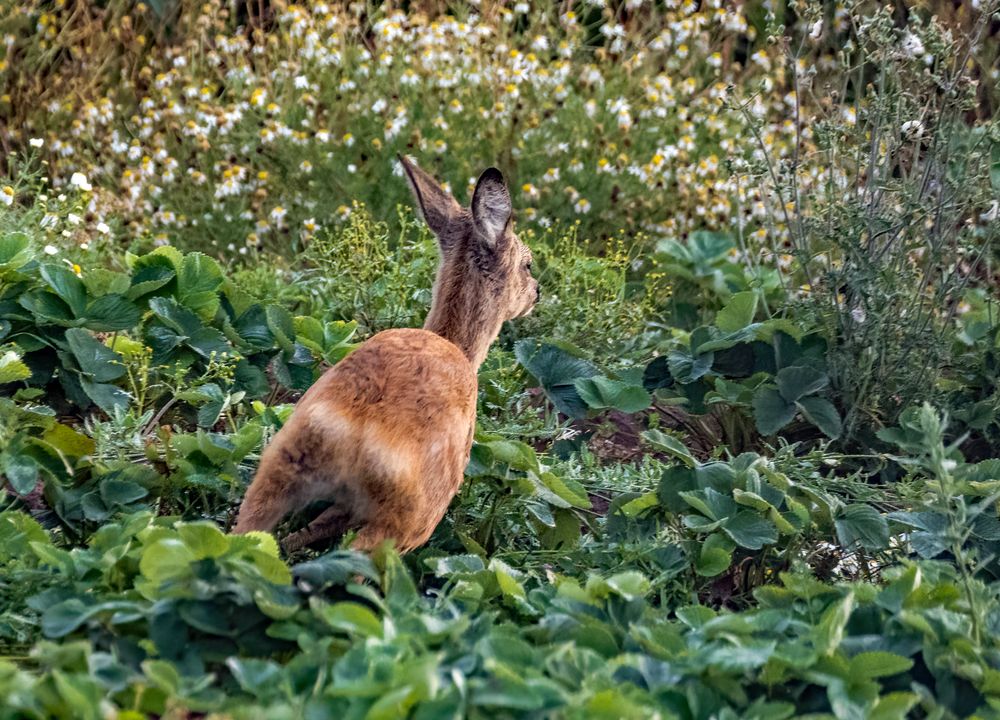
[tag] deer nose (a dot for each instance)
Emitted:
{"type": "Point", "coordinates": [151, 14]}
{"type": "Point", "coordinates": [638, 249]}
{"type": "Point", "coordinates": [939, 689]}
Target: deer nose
{"type": "Point", "coordinates": [538, 293]}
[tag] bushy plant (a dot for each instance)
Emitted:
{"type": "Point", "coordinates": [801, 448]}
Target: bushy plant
{"type": "Point", "coordinates": [900, 219]}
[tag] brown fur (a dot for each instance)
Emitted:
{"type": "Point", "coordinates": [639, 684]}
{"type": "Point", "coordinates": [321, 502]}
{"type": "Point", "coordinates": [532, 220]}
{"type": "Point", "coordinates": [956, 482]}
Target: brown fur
{"type": "Point", "coordinates": [385, 434]}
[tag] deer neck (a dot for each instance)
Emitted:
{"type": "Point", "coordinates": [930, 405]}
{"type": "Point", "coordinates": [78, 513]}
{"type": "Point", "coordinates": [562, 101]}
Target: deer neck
{"type": "Point", "coordinates": [459, 314]}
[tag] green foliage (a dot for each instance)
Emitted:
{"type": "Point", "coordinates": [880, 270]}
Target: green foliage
{"type": "Point", "coordinates": [704, 483]}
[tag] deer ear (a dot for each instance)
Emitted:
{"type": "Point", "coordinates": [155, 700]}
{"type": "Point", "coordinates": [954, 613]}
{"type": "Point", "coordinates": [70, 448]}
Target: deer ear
{"type": "Point", "coordinates": [438, 207]}
{"type": "Point", "coordinates": [491, 207]}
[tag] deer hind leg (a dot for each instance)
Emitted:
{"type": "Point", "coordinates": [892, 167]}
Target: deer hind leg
{"type": "Point", "coordinates": [330, 523]}
{"type": "Point", "coordinates": [282, 480]}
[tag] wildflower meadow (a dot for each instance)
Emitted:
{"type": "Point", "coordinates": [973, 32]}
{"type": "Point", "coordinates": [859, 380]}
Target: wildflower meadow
{"type": "Point", "coordinates": [742, 460]}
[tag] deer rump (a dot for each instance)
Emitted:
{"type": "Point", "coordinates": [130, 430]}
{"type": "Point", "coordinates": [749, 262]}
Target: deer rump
{"type": "Point", "coordinates": [384, 436]}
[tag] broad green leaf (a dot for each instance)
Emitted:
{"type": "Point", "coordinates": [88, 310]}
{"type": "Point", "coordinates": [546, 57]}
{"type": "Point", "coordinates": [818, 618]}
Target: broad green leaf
{"type": "Point", "coordinates": [686, 367]}
{"type": "Point", "coordinates": [821, 413]}
{"type": "Point", "coordinates": [567, 489]}
{"type": "Point", "coordinates": [800, 380]}
{"type": "Point", "coordinates": [257, 677]}
{"type": "Point", "coordinates": [111, 312]}
{"type": "Point", "coordinates": [771, 411]}
{"type": "Point", "coordinates": [106, 396]}
{"type": "Point", "coordinates": [351, 618]}
{"type": "Point", "coordinates": [281, 325]}
{"type": "Point", "coordinates": [862, 524]}
{"type": "Point", "coordinates": [67, 286]}
{"type": "Point", "coordinates": [508, 581]}
{"type": "Point", "coordinates": [516, 454]}
{"type": "Point", "coordinates": [715, 557]}
{"type": "Point", "coordinates": [830, 631]}
{"type": "Point", "coordinates": [150, 273]}
{"type": "Point", "coordinates": [871, 665]}
{"type": "Point", "coordinates": [47, 308]}
{"type": "Point", "coordinates": [750, 530]}
{"type": "Point", "coordinates": [203, 539]}
{"type": "Point", "coordinates": [738, 312]}
{"type": "Point", "coordinates": [640, 504]}
{"type": "Point", "coordinates": [165, 559]}
{"type": "Point", "coordinates": [20, 470]}
{"type": "Point", "coordinates": [121, 492]}
{"type": "Point", "coordinates": [198, 283]}
{"type": "Point", "coordinates": [659, 440]}
{"type": "Point", "coordinates": [629, 585]}
{"type": "Point", "coordinates": [894, 706]}
{"type": "Point", "coordinates": [176, 317]}
{"type": "Point", "coordinates": [556, 370]}
{"type": "Point", "coordinates": [601, 392]}
{"type": "Point", "coordinates": [97, 360]}
{"type": "Point", "coordinates": [711, 503]}
{"type": "Point", "coordinates": [336, 567]}
{"type": "Point", "coordinates": [751, 499]}
{"type": "Point", "coordinates": [15, 252]}
{"type": "Point", "coordinates": [62, 619]}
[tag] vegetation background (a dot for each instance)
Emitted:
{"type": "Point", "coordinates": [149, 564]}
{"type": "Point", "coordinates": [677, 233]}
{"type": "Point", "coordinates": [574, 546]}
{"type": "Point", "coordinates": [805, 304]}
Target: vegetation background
{"type": "Point", "coordinates": [743, 461]}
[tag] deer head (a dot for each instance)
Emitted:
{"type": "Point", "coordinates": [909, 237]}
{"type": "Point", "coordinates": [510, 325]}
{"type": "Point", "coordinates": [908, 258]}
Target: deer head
{"type": "Point", "coordinates": [484, 276]}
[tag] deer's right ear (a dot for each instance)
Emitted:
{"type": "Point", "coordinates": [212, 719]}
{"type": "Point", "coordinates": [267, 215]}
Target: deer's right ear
{"type": "Point", "coordinates": [439, 208]}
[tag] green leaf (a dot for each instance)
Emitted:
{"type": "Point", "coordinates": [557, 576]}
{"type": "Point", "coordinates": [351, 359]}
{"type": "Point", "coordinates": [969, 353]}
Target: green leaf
{"type": "Point", "coordinates": [715, 557]}
{"type": "Point", "coordinates": [601, 392]}
{"type": "Point", "coordinates": [672, 446]}
{"type": "Point", "coordinates": [48, 307]}
{"type": "Point", "coordinates": [211, 401]}
{"type": "Point", "coordinates": [569, 490]}
{"type": "Point", "coordinates": [121, 492]}
{"type": "Point", "coordinates": [711, 503]}
{"type": "Point", "coordinates": [800, 380]}
{"type": "Point", "coordinates": [894, 706]}
{"type": "Point", "coordinates": [176, 317]}
{"type": "Point", "coordinates": [738, 312]}
{"type": "Point", "coordinates": [821, 413]}
{"type": "Point", "coordinates": [629, 584]}
{"type": "Point", "coordinates": [99, 362]}
{"type": "Point", "coordinates": [686, 367]}
{"type": "Point", "coordinates": [106, 396]}
{"type": "Point", "coordinates": [203, 539]}
{"type": "Point", "coordinates": [15, 252]}
{"type": "Point", "coordinates": [830, 630]}
{"type": "Point", "coordinates": [556, 370]}
{"type": "Point", "coordinates": [165, 559]}
{"type": "Point", "coordinates": [280, 322]}
{"type": "Point", "coordinates": [335, 568]}
{"type": "Point", "coordinates": [257, 677]}
{"type": "Point", "coordinates": [870, 665]}
{"type": "Point", "coordinates": [516, 454]}
{"type": "Point", "coordinates": [640, 504]}
{"type": "Point", "coordinates": [151, 272]}
{"type": "Point", "coordinates": [862, 524]}
{"type": "Point", "coordinates": [65, 617]}
{"type": "Point", "coordinates": [771, 411]}
{"type": "Point", "coordinates": [111, 312]}
{"type": "Point", "coordinates": [351, 618]}
{"type": "Point", "coordinates": [198, 282]}
{"type": "Point", "coordinates": [66, 285]}
{"type": "Point", "coordinates": [20, 470]}
{"type": "Point", "coordinates": [750, 530]}
{"type": "Point", "coordinates": [12, 368]}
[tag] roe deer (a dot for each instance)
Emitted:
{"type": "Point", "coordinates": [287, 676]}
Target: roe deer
{"type": "Point", "coordinates": [385, 434]}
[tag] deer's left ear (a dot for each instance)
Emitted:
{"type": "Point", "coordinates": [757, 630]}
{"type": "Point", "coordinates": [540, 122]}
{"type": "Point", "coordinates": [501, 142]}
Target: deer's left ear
{"type": "Point", "coordinates": [491, 207]}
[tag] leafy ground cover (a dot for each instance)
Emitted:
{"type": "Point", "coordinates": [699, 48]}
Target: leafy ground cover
{"type": "Point", "coordinates": [743, 461]}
